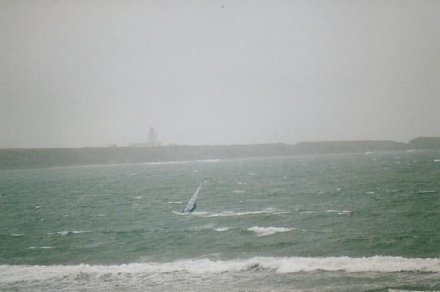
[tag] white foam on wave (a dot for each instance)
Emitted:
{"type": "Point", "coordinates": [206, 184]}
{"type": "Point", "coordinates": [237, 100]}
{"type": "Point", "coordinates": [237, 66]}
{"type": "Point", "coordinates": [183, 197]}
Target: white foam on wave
{"type": "Point", "coordinates": [210, 227]}
{"type": "Point", "coordinates": [340, 212]}
{"type": "Point", "coordinates": [222, 229]}
{"type": "Point", "coordinates": [67, 232]}
{"type": "Point", "coordinates": [266, 231]}
{"type": "Point", "coordinates": [41, 247]}
{"type": "Point", "coordinates": [385, 264]}
{"type": "Point", "coordinates": [209, 160]}
{"type": "Point", "coordinates": [242, 213]}
{"type": "Point", "coordinates": [175, 202]}
{"type": "Point", "coordinates": [427, 191]}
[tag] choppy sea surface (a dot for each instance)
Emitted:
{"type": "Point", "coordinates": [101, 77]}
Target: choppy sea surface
{"type": "Point", "coordinates": [347, 222]}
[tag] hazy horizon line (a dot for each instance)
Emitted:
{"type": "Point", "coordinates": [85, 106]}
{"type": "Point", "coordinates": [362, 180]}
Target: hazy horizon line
{"type": "Point", "coordinates": [146, 145]}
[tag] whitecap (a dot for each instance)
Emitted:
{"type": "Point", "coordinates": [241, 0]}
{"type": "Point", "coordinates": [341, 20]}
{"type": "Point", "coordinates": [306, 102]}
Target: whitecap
{"type": "Point", "coordinates": [340, 212]}
{"type": "Point", "coordinates": [427, 191]}
{"type": "Point", "coordinates": [209, 160]}
{"type": "Point", "coordinates": [345, 212]}
{"type": "Point", "coordinates": [41, 247]}
{"type": "Point", "coordinates": [175, 202]}
{"type": "Point", "coordinates": [210, 226]}
{"type": "Point", "coordinates": [243, 213]}
{"type": "Point", "coordinates": [265, 231]}
{"type": "Point", "coordinates": [80, 231]}
{"type": "Point", "coordinates": [17, 234]}
{"type": "Point", "coordinates": [68, 232]}
{"type": "Point", "coordinates": [222, 229]}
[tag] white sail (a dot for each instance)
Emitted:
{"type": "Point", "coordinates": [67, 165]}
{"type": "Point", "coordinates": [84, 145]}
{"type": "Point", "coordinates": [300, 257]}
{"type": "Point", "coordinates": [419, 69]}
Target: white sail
{"type": "Point", "coordinates": [191, 206]}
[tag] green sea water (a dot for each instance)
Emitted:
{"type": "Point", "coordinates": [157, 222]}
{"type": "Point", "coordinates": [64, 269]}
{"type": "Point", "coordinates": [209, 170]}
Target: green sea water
{"type": "Point", "coordinates": [347, 222]}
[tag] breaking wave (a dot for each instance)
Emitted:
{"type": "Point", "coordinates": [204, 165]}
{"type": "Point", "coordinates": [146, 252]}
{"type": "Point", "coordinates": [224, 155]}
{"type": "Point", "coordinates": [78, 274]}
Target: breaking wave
{"type": "Point", "coordinates": [222, 229]}
{"type": "Point", "coordinates": [68, 232]}
{"type": "Point", "coordinates": [387, 264]}
{"type": "Point", "coordinates": [242, 213]}
{"type": "Point", "coordinates": [340, 212]}
{"type": "Point", "coordinates": [265, 231]}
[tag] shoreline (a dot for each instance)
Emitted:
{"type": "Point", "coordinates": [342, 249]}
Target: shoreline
{"type": "Point", "coordinates": [61, 157]}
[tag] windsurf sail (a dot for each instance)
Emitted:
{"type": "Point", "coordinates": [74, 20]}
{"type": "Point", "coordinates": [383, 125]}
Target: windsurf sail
{"type": "Point", "coordinates": [192, 203]}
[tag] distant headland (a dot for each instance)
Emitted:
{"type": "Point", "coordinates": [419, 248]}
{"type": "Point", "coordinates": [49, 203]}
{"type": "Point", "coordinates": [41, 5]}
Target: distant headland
{"type": "Point", "coordinates": [53, 157]}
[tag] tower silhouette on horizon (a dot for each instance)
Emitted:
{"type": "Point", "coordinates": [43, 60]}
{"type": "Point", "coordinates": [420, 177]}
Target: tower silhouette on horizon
{"type": "Point", "coordinates": [152, 137]}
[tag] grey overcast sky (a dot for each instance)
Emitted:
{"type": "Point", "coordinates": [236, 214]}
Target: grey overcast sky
{"type": "Point", "coordinates": [98, 72]}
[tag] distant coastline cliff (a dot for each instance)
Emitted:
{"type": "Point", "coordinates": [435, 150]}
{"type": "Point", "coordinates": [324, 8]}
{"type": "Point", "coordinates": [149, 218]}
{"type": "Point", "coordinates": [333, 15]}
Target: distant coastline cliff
{"type": "Point", "coordinates": [40, 158]}
{"type": "Point", "coordinates": [425, 143]}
